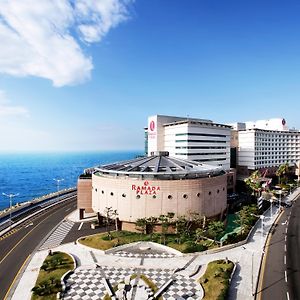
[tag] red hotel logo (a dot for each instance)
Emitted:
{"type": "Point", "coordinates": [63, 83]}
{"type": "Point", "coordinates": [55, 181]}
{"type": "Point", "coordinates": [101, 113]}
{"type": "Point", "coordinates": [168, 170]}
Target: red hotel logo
{"type": "Point", "coordinates": [145, 189]}
{"type": "Point", "coordinates": [152, 126]}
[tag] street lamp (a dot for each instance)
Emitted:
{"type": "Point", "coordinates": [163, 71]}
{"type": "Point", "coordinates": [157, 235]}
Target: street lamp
{"type": "Point", "coordinates": [271, 201]}
{"type": "Point", "coordinates": [290, 185]}
{"type": "Point", "coordinates": [58, 182]}
{"type": "Point", "coordinates": [10, 196]}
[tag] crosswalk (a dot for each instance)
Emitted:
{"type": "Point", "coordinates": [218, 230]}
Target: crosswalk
{"type": "Point", "coordinates": [58, 235]}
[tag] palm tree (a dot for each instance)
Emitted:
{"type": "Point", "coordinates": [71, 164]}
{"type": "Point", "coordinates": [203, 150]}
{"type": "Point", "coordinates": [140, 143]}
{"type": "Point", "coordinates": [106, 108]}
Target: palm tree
{"type": "Point", "coordinates": [254, 183]}
{"type": "Point", "coordinates": [281, 171]}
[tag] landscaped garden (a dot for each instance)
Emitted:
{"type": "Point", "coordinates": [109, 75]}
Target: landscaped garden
{"type": "Point", "coordinates": [216, 279]}
{"type": "Point", "coordinates": [48, 283]}
{"type": "Point", "coordinates": [185, 234]}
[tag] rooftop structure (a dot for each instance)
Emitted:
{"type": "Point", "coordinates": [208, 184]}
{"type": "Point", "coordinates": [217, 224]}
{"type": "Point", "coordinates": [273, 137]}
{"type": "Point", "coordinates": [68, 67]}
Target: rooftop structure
{"type": "Point", "coordinates": [161, 166]}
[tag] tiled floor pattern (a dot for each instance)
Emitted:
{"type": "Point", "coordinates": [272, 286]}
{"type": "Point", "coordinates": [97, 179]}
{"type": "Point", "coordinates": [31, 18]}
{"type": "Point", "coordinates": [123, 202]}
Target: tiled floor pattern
{"type": "Point", "coordinates": [147, 255]}
{"type": "Point", "coordinates": [86, 283]}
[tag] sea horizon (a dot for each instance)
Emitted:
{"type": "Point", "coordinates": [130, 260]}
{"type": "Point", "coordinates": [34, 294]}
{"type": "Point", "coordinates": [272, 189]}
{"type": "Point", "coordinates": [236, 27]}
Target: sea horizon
{"type": "Point", "coordinates": [31, 174]}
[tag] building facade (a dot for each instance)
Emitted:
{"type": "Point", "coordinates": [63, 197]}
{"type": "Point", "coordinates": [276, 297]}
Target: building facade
{"type": "Point", "coordinates": [194, 139]}
{"type": "Point", "coordinates": [266, 144]}
{"type": "Point", "coordinates": [156, 185]}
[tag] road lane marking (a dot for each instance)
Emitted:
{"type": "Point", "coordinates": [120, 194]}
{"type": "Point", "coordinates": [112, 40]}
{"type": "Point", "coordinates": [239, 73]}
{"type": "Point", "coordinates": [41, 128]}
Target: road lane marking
{"type": "Point", "coordinates": [284, 247]}
{"type": "Point", "coordinates": [284, 259]}
{"type": "Point", "coordinates": [285, 238]}
{"type": "Point", "coordinates": [285, 276]}
{"type": "Point", "coordinates": [286, 230]}
{"type": "Point", "coordinates": [287, 295]}
{"type": "Point", "coordinates": [80, 225]}
{"type": "Point", "coordinates": [13, 248]}
{"type": "Point", "coordinates": [68, 209]}
{"type": "Point", "coordinates": [5, 297]}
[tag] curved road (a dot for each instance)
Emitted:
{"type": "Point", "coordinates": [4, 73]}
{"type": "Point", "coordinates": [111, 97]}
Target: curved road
{"type": "Point", "coordinates": [280, 274]}
{"type": "Point", "coordinates": [16, 248]}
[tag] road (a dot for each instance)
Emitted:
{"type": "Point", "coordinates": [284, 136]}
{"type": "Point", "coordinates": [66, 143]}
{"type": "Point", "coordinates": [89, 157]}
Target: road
{"type": "Point", "coordinates": [281, 270]}
{"type": "Point", "coordinates": [16, 248]}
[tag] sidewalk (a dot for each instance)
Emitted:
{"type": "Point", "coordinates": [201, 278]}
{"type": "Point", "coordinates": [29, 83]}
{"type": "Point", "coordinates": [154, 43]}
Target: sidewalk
{"type": "Point", "coordinates": [247, 259]}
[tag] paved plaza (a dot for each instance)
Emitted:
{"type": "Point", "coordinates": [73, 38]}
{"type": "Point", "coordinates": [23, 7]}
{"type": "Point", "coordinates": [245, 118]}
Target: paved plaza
{"type": "Point", "coordinates": [93, 265]}
{"type": "Point", "coordinates": [87, 283]}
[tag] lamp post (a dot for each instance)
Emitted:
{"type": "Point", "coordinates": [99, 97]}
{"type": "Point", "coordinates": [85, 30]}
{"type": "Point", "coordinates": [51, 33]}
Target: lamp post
{"type": "Point", "coordinates": [280, 192]}
{"type": "Point", "coordinates": [10, 196]}
{"type": "Point", "coordinates": [290, 185]}
{"type": "Point", "coordinates": [271, 201]}
{"type": "Point", "coordinates": [58, 182]}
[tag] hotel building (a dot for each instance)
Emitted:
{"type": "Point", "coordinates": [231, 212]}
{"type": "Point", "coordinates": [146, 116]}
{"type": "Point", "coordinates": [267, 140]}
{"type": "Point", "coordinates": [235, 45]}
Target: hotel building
{"type": "Point", "coordinates": [265, 144]}
{"type": "Point", "coordinates": [152, 186]}
{"type": "Point", "coordinates": [199, 140]}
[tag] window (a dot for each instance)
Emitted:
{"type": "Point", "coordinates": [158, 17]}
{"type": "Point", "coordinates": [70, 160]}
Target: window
{"type": "Point", "coordinates": [138, 196]}
{"type": "Point", "coordinates": [170, 197]}
{"type": "Point", "coordinates": [185, 196]}
{"type": "Point", "coordinates": [102, 192]}
{"type": "Point", "coordinates": [111, 193]}
{"type": "Point", "coordinates": [209, 193]}
{"type": "Point", "coordinates": [198, 194]}
{"type": "Point", "coordinates": [123, 195]}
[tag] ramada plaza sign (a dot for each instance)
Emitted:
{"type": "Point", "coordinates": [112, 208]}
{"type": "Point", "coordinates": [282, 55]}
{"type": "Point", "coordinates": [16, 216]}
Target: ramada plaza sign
{"type": "Point", "coordinates": [145, 189]}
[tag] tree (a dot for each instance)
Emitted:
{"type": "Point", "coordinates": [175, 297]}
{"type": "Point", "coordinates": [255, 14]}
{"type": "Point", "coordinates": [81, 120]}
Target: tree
{"type": "Point", "coordinates": [200, 234]}
{"type": "Point", "coordinates": [108, 213]}
{"type": "Point", "coordinates": [180, 227]}
{"type": "Point", "coordinates": [141, 224]}
{"type": "Point", "coordinates": [151, 221]}
{"type": "Point", "coordinates": [281, 171]}
{"type": "Point", "coordinates": [215, 229]}
{"type": "Point", "coordinates": [246, 217]}
{"type": "Point", "coordinates": [254, 183]}
{"type": "Point", "coordinates": [115, 215]}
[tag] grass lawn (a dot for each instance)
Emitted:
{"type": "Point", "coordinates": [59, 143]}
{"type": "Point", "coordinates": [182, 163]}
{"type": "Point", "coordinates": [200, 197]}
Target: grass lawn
{"type": "Point", "coordinates": [57, 265]}
{"type": "Point", "coordinates": [101, 241]}
{"type": "Point", "coordinates": [215, 280]}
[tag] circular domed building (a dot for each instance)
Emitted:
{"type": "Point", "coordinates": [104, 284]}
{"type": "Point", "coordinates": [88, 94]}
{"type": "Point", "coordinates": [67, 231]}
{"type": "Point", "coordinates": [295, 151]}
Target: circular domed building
{"type": "Point", "coordinates": [156, 185]}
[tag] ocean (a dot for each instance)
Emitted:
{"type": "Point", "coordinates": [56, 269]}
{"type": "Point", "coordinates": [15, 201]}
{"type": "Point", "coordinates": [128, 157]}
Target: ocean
{"type": "Point", "coordinates": [32, 174]}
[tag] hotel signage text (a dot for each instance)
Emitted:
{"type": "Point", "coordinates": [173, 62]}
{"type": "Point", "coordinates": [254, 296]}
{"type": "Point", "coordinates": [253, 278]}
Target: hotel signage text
{"type": "Point", "coordinates": [145, 189]}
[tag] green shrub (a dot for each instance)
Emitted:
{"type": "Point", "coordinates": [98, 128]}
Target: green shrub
{"type": "Point", "coordinates": [47, 287]}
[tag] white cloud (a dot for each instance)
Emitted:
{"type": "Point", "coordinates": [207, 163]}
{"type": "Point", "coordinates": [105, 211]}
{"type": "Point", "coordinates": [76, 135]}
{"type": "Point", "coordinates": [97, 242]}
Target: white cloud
{"type": "Point", "coordinates": [8, 110]}
{"type": "Point", "coordinates": [38, 37]}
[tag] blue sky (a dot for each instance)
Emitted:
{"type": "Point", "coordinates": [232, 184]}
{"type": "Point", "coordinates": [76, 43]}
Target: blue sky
{"type": "Point", "coordinates": [85, 74]}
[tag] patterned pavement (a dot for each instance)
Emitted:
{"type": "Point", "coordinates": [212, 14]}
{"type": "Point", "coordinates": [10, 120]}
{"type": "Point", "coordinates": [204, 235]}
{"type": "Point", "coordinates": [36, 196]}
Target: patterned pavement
{"type": "Point", "coordinates": [86, 283]}
{"type": "Point", "coordinates": [147, 255]}
{"type": "Point", "coordinates": [58, 235]}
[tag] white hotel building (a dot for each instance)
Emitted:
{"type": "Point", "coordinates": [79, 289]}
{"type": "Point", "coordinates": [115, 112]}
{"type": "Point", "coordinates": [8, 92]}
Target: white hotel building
{"type": "Point", "coordinates": [194, 139]}
{"type": "Point", "coordinates": [266, 144]}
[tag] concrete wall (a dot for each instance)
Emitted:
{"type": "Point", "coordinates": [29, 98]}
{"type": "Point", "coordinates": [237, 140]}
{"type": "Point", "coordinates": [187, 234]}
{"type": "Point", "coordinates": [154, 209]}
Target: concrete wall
{"type": "Point", "coordinates": [206, 196]}
{"type": "Point", "coordinates": [84, 194]}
